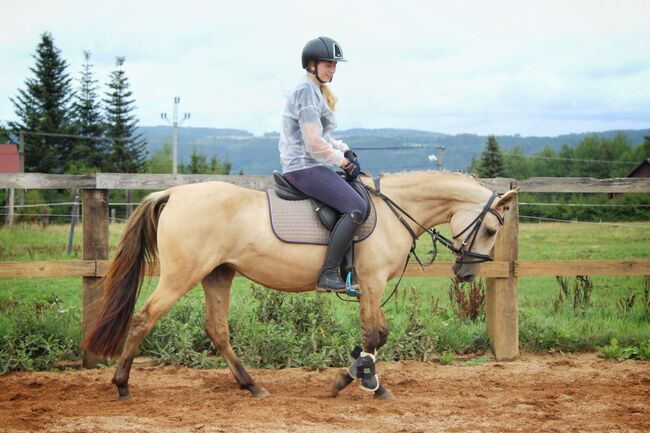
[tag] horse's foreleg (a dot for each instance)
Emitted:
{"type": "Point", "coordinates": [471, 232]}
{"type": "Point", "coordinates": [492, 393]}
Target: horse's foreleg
{"type": "Point", "coordinates": [217, 299]}
{"type": "Point", "coordinates": [159, 303]}
{"type": "Point", "coordinates": [374, 333]}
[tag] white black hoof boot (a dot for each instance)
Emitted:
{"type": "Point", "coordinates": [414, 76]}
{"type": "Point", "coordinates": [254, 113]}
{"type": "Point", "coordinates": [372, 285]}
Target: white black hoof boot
{"type": "Point", "coordinates": [363, 368]}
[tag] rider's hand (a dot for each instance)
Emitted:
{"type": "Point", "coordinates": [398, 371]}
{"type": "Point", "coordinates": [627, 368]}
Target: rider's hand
{"type": "Point", "coordinates": [351, 165]}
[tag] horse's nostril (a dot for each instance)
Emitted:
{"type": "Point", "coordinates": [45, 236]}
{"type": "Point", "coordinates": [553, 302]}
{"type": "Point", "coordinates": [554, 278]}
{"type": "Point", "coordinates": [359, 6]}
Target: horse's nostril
{"type": "Point", "coordinates": [465, 278]}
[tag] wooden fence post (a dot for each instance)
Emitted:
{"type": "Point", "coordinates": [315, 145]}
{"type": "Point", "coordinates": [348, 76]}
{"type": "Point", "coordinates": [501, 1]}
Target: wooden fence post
{"type": "Point", "coordinates": [95, 247]}
{"type": "Point", "coordinates": [10, 207]}
{"type": "Point", "coordinates": [501, 293]}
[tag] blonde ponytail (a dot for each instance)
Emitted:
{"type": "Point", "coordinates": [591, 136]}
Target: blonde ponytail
{"type": "Point", "coordinates": [329, 97]}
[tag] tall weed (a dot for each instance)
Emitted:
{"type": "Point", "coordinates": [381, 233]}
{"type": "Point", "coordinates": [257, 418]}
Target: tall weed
{"type": "Point", "coordinates": [468, 299]}
{"type": "Point", "coordinates": [578, 295]}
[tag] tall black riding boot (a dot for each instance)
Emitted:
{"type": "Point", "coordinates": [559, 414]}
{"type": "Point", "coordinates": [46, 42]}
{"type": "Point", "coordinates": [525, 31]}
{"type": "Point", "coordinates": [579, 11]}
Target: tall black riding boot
{"type": "Point", "coordinates": [342, 234]}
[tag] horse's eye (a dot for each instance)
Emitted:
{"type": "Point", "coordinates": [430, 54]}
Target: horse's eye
{"type": "Point", "coordinates": [490, 232]}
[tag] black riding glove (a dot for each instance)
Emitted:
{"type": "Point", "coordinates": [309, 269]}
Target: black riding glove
{"type": "Point", "coordinates": [354, 168]}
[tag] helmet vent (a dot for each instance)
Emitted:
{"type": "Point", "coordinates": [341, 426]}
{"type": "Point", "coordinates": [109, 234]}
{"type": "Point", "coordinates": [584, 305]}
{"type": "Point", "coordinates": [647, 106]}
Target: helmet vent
{"type": "Point", "coordinates": [337, 51]}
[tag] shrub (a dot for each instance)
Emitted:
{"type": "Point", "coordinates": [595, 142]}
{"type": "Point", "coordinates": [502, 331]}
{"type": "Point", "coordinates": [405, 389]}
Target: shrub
{"type": "Point", "coordinates": [35, 334]}
{"type": "Point", "coordinates": [619, 353]}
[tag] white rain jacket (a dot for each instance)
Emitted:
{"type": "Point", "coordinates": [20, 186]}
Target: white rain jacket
{"type": "Point", "coordinates": [305, 136]}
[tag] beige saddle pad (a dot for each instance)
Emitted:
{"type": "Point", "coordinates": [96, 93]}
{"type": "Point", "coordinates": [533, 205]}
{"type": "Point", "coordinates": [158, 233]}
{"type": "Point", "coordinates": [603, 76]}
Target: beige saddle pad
{"type": "Point", "coordinates": [295, 221]}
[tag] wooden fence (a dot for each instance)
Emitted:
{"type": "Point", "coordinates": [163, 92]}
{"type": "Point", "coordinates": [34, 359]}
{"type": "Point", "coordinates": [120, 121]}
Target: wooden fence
{"type": "Point", "coordinates": [502, 274]}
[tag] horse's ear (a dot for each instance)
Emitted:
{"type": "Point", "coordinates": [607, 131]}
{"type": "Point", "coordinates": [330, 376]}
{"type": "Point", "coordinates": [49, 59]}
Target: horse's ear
{"type": "Point", "coordinates": [506, 199]}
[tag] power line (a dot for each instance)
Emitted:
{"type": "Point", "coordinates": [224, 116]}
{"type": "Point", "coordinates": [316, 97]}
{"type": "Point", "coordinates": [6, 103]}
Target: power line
{"type": "Point", "coordinates": [54, 134]}
{"type": "Point", "coordinates": [585, 205]}
{"type": "Point", "coordinates": [553, 158]}
{"type": "Point", "coordinates": [583, 222]}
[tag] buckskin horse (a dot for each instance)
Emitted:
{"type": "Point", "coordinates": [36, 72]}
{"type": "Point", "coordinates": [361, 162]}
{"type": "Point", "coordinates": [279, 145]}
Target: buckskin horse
{"type": "Point", "coordinates": [206, 232]}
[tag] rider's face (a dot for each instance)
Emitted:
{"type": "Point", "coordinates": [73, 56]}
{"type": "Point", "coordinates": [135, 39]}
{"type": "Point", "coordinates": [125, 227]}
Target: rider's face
{"type": "Point", "coordinates": [326, 69]}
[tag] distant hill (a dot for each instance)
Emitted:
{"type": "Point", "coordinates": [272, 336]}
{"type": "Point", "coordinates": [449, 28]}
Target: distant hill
{"type": "Point", "coordinates": [386, 149]}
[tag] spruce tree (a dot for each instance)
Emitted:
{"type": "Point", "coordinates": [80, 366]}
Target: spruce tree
{"type": "Point", "coordinates": [128, 149]}
{"type": "Point", "coordinates": [44, 107]}
{"type": "Point", "coordinates": [4, 135]}
{"type": "Point", "coordinates": [88, 154]}
{"type": "Point", "coordinates": [491, 160]}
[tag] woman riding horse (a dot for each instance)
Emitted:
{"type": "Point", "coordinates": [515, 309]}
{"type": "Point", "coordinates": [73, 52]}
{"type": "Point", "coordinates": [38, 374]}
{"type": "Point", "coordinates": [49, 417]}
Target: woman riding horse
{"type": "Point", "coordinates": [307, 150]}
{"type": "Point", "coordinates": [231, 232]}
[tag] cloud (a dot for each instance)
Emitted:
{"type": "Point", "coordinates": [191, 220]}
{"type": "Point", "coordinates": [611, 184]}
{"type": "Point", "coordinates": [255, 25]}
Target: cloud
{"type": "Point", "coordinates": [468, 66]}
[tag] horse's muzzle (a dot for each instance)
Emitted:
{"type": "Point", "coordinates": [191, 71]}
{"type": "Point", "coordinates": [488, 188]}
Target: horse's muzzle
{"type": "Point", "coordinates": [465, 273]}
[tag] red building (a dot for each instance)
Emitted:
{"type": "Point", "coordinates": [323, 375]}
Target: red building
{"type": "Point", "coordinates": [641, 170]}
{"type": "Point", "coordinates": [9, 161]}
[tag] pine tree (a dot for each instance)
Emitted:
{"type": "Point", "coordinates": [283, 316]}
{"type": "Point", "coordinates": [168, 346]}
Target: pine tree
{"type": "Point", "coordinates": [491, 160]}
{"type": "Point", "coordinates": [4, 135]}
{"type": "Point", "coordinates": [88, 154]}
{"type": "Point", "coordinates": [128, 152]}
{"type": "Point", "coordinates": [44, 107]}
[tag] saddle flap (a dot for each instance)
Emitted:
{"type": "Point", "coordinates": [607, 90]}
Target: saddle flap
{"type": "Point", "coordinates": [326, 214]}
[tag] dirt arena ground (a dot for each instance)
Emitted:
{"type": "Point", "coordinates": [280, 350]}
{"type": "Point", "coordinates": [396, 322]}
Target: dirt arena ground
{"type": "Point", "coordinates": [575, 393]}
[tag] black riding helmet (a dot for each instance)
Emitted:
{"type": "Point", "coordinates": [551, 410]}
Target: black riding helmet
{"type": "Point", "coordinates": [322, 48]}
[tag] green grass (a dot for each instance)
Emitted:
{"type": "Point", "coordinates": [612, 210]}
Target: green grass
{"type": "Point", "coordinates": [39, 318]}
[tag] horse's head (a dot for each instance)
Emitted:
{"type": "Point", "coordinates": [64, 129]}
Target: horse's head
{"type": "Point", "coordinates": [474, 228]}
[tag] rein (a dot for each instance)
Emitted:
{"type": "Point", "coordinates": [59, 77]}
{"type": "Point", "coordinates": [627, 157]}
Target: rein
{"type": "Point", "coordinates": [463, 251]}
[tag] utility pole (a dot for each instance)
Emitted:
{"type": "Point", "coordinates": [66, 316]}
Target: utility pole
{"type": "Point", "coordinates": [437, 158]}
{"type": "Point", "coordinates": [175, 124]}
{"type": "Point", "coordinates": [439, 151]}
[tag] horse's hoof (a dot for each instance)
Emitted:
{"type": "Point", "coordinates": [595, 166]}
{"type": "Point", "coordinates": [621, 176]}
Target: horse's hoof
{"type": "Point", "coordinates": [126, 397]}
{"type": "Point", "coordinates": [384, 394]}
{"type": "Point", "coordinates": [123, 393]}
{"type": "Point", "coordinates": [334, 391]}
{"type": "Point", "coordinates": [258, 391]}
{"type": "Point", "coordinates": [262, 394]}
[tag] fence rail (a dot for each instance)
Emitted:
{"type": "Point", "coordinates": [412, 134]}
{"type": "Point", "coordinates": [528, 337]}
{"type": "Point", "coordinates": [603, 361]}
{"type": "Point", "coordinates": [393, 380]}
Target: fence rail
{"type": "Point", "coordinates": [162, 181]}
{"type": "Point", "coordinates": [499, 269]}
{"type": "Point", "coordinates": [501, 290]}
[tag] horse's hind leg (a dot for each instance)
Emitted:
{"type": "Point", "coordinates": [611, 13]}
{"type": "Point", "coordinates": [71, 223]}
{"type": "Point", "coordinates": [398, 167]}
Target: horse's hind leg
{"type": "Point", "coordinates": [159, 303]}
{"type": "Point", "coordinates": [217, 300]}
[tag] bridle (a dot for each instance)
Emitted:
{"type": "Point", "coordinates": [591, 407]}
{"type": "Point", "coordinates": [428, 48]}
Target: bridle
{"type": "Point", "coordinates": [465, 249]}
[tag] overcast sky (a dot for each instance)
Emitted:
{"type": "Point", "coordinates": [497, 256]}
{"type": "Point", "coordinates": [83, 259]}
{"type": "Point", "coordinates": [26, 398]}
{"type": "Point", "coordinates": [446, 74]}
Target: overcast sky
{"type": "Point", "coordinates": [485, 67]}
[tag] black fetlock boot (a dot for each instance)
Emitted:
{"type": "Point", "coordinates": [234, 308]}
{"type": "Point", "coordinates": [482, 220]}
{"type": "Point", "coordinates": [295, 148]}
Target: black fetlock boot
{"type": "Point", "coordinates": [329, 279]}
